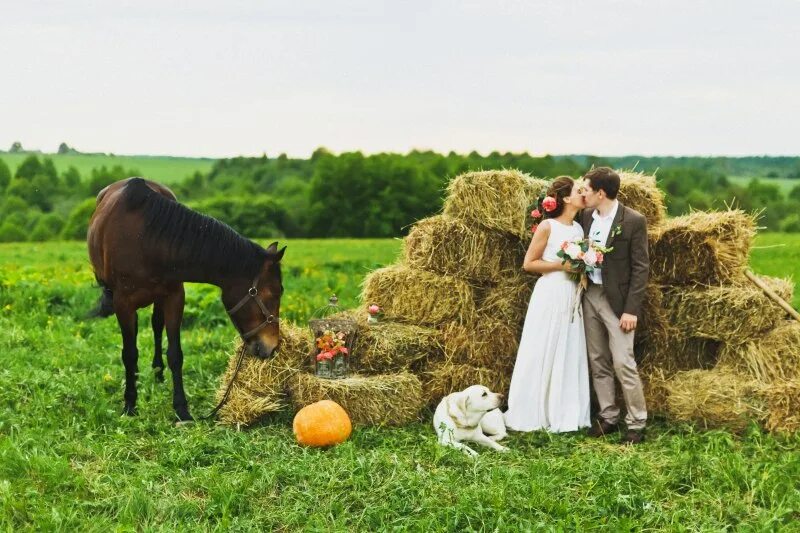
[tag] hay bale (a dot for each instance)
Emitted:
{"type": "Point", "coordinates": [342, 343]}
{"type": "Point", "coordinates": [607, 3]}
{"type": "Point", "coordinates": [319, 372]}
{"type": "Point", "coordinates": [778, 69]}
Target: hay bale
{"type": "Point", "coordinates": [259, 387]}
{"type": "Point", "coordinates": [655, 392]}
{"type": "Point", "coordinates": [714, 399]}
{"type": "Point", "coordinates": [394, 399]}
{"type": "Point", "coordinates": [640, 192]}
{"type": "Point", "coordinates": [495, 199]}
{"type": "Point", "coordinates": [392, 346]}
{"type": "Point", "coordinates": [703, 248]}
{"type": "Point", "coordinates": [678, 354]}
{"type": "Point", "coordinates": [783, 402]}
{"type": "Point", "coordinates": [508, 300]}
{"type": "Point", "coordinates": [654, 326]}
{"type": "Point", "coordinates": [775, 356]}
{"type": "Point", "coordinates": [488, 342]}
{"type": "Point", "coordinates": [450, 246]}
{"type": "Point", "coordinates": [440, 379]}
{"type": "Point", "coordinates": [728, 313]}
{"type": "Point", "coordinates": [783, 287]}
{"type": "Point", "coordinates": [419, 297]}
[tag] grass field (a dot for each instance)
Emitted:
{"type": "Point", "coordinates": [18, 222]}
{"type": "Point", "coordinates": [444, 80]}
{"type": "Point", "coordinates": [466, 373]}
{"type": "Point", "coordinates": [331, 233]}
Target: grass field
{"type": "Point", "coordinates": [164, 169]}
{"type": "Point", "coordinates": [68, 461]}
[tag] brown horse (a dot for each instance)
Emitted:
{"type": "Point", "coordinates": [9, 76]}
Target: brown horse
{"type": "Point", "coordinates": [144, 245]}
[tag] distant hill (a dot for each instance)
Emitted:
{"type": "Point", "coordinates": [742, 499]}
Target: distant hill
{"type": "Point", "coordinates": [164, 169]}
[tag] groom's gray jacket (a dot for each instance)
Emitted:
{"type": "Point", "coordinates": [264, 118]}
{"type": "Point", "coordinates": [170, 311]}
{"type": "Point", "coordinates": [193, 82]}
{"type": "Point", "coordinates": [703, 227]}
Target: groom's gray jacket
{"type": "Point", "coordinates": [626, 269]}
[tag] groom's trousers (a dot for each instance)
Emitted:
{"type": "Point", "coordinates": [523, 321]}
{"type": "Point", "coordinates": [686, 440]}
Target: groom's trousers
{"type": "Point", "coordinates": [611, 352]}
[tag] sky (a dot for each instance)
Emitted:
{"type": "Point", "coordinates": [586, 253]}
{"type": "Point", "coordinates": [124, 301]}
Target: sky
{"type": "Point", "coordinates": [218, 79]}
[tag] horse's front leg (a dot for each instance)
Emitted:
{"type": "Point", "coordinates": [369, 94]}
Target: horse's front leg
{"type": "Point", "coordinates": [173, 315]}
{"type": "Point", "coordinates": [128, 325]}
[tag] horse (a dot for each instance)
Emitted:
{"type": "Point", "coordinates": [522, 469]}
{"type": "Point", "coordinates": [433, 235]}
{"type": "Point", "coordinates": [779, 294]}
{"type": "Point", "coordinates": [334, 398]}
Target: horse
{"type": "Point", "coordinates": [144, 244]}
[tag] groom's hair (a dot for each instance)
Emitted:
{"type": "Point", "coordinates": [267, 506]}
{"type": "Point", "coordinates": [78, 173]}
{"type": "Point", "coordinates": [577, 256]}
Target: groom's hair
{"type": "Point", "coordinates": [603, 179]}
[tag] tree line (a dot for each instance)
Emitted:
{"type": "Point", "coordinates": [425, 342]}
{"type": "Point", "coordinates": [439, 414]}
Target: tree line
{"type": "Point", "coordinates": [357, 195]}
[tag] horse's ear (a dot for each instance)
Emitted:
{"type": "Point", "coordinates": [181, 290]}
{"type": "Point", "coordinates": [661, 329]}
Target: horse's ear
{"type": "Point", "coordinates": [273, 254]}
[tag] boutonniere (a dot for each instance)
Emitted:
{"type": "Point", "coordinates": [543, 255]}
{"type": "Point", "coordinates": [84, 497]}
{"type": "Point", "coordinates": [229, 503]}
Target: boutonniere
{"type": "Point", "coordinates": [616, 230]}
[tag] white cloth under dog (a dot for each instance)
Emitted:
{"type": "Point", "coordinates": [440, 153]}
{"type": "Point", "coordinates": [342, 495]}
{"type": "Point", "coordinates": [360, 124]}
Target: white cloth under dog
{"type": "Point", "coordinates": [550, 384]}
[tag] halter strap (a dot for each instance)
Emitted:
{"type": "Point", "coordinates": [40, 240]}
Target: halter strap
{"type": "Point", "coordinates": [252, 294]}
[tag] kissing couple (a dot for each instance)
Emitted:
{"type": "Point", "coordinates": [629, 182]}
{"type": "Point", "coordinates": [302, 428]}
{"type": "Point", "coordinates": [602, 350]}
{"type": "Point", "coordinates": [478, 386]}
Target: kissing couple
{"type": "Point", "coordinates": [567, 331]}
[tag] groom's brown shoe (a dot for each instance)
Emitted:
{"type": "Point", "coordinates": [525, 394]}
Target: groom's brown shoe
{"type": "Point", "coordinates": [601, 428]}
{"type": "Point", "coordinates": [632, 436]}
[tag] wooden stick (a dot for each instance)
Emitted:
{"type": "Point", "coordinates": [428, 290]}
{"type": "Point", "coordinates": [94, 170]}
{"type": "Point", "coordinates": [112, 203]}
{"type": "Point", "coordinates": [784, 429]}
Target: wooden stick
{"type": "Point", "coordinates": [780, 301]}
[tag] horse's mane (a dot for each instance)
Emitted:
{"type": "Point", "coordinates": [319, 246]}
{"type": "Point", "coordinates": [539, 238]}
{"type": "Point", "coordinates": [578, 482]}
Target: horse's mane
{"type": "Point", "coordinates": [192, 238]}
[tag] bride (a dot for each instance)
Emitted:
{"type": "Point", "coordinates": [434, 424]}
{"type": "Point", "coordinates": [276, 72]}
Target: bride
{"type": "Point", "coordinates": [550, 384]}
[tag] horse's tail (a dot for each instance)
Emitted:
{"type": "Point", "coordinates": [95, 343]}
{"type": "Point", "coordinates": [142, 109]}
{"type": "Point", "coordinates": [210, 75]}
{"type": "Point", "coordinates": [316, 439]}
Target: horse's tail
{"type": "Point", "coordinates": [105, 304]}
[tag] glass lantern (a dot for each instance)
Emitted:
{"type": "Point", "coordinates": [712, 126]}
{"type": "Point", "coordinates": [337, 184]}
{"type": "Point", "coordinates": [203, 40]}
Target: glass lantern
{"type": "Point", "coordinates": [334, 337]}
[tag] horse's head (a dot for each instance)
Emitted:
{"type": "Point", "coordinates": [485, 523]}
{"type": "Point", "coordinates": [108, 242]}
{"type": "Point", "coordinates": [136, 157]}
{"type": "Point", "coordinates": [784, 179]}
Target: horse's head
{"type": "Point", "coordinates": [254, 305]}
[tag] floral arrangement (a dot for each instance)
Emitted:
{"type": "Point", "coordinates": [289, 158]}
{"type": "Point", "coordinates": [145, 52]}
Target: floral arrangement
{"type": "Point", "coordinates": [544, 204]}
{"type": "Point", "coordinates": [330, 344]}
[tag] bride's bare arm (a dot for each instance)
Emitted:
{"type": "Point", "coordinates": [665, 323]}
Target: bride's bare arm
{"type": "Point", "coordinates": [533, 258]}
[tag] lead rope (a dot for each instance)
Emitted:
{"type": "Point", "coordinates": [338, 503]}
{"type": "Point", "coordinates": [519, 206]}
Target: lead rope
{"type": "Point", "coordinates": [228, 389]}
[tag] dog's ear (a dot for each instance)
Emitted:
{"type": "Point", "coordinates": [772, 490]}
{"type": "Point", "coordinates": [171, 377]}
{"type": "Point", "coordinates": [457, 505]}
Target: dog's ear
{"type": "Point", "coordinates": [457, 409]}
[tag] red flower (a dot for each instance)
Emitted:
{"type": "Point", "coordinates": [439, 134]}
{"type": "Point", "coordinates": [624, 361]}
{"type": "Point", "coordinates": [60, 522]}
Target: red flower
{"type": "Point", "coordinates": [324, 355]}
{"type": "Point", "coordinates": [534, 228]}
{"type": "Point", "coordinates": [549, 204]}
{"type": "Point", "coordinates": [536, 213]}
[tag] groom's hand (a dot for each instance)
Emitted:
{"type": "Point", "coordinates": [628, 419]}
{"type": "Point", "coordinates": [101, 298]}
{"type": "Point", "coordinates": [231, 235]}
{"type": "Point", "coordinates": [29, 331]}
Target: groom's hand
{"type": "Point", "coordinates": [627, 322]}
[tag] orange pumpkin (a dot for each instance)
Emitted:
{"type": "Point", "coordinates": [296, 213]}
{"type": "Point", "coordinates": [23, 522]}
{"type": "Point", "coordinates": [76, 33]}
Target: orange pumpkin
{"type": "Point", "coordinates": [324, 423]}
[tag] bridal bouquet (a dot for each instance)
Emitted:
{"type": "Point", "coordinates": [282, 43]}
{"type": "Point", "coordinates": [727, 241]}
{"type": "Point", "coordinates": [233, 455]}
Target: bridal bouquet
{"type": "Point", "coordinates": [584, 256]}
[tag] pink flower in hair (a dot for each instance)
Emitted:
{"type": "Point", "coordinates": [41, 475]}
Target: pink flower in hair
{"type": "Point", "coordinates": [549, 204]}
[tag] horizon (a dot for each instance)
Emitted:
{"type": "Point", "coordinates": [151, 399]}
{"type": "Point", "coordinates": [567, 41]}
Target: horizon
{"type": "Point", "coordinates": [38, 151]}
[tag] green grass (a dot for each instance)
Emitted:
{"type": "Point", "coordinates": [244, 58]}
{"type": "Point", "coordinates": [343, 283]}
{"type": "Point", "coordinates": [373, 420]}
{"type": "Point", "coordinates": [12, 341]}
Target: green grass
{"type": "Point", "coordinates": [69, 462]}
{"type": "Point", "coordinates": [164, 169]}
{"type": "Point", "coordinates": [778, 254]}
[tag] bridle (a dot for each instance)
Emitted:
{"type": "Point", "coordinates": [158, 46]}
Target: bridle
{"type": "Point", "coordinates": [252, 294]}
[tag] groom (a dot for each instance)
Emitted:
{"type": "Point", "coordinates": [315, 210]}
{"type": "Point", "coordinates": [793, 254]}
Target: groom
{"type": "Point", "coordinates": [613, 302]}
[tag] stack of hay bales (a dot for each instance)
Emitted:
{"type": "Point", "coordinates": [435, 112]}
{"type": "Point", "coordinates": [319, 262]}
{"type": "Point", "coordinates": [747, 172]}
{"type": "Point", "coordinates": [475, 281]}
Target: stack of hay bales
{"type": "Point", "coordinates": [712, 347]}
{"type": "Point", "coordinates": [733, 356]}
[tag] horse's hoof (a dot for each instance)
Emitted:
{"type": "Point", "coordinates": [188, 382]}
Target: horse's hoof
{"type": "Point", "coordinates": [129, 411]}
{"type": "Point", "coordinates": [184, 423]}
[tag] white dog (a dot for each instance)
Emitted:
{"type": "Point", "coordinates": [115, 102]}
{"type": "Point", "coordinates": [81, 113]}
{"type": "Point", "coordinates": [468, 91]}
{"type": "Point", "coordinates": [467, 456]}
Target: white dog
{"type": "Point", "coordinates": [472, 415]}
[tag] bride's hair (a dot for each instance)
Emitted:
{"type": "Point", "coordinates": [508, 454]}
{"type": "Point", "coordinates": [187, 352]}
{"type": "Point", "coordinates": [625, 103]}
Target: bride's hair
{"type": "Point", "coordinates": [560, 188]}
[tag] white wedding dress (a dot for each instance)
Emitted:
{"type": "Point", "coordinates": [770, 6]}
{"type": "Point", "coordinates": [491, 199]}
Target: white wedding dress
{"type": "Point", "coordinates": [550, 384]}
